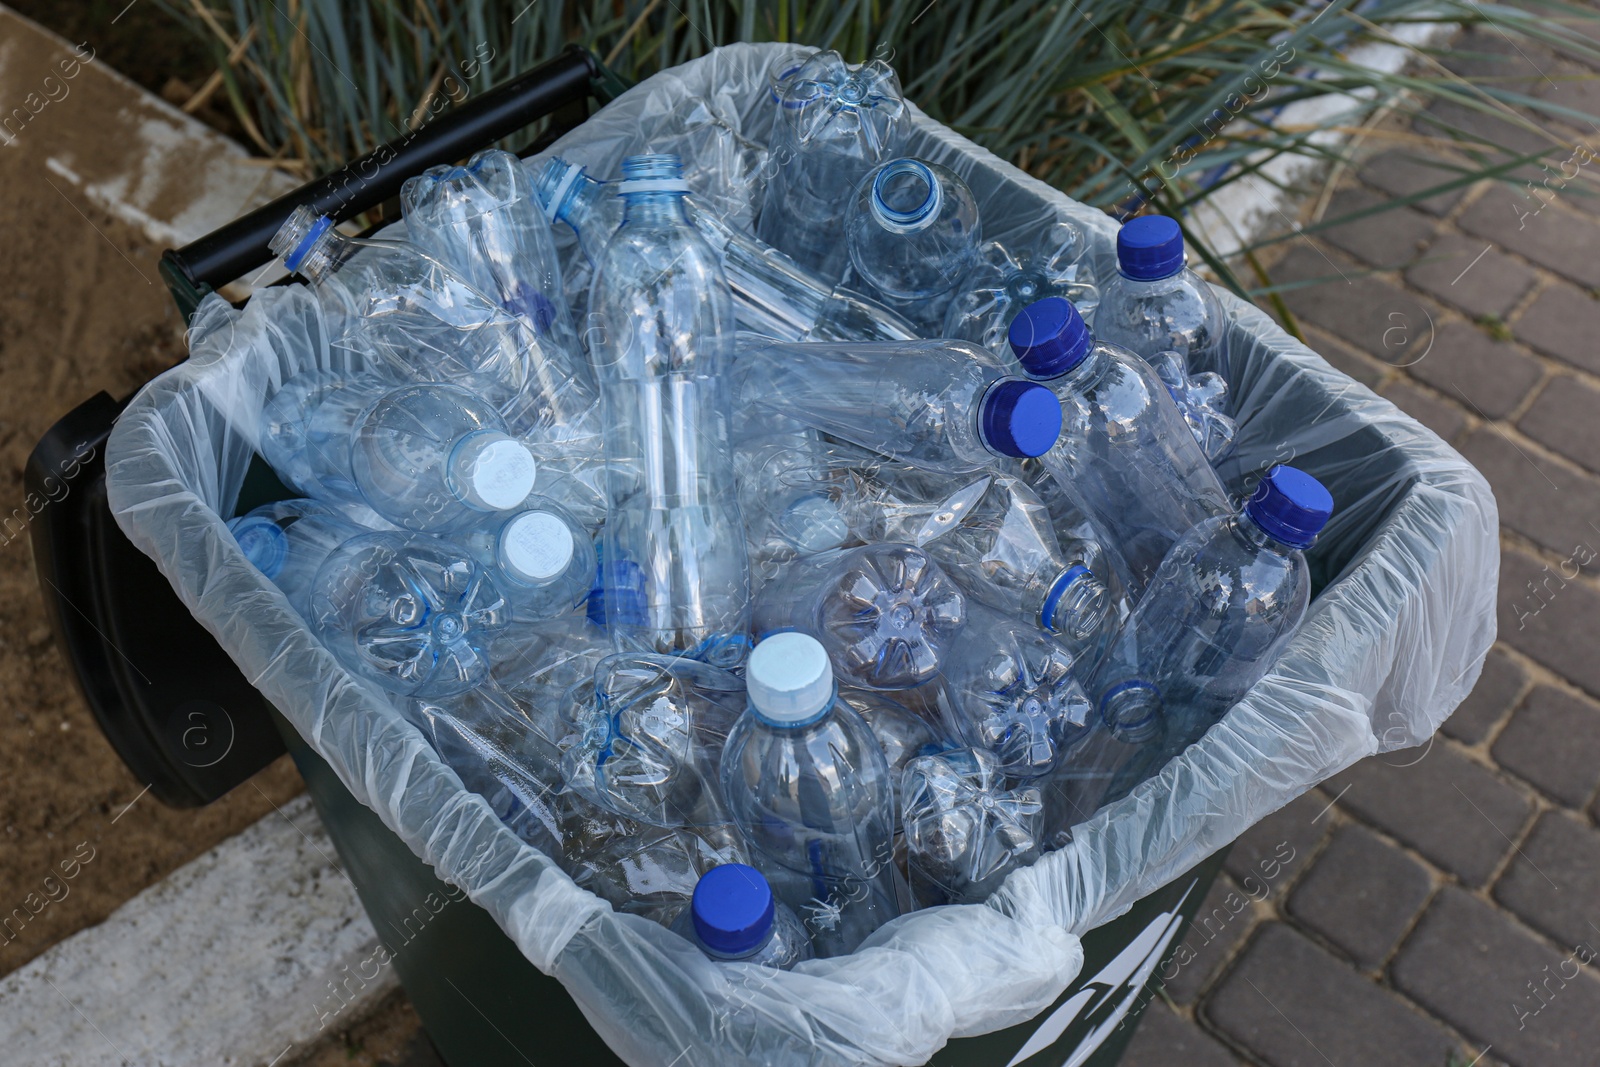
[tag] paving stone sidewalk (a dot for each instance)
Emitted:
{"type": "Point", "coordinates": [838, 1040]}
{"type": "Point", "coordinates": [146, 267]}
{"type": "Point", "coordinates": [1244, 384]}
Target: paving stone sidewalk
{"type": "Point", "coordinates": [1443, 904]}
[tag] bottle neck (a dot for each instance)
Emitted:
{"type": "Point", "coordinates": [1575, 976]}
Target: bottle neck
{"type": "Point", "coordinates": [1092, 367]}
{"type": "Point", "coordinates": [1250, 534]}
{"type": "Point", "coordinates": [654, 209]}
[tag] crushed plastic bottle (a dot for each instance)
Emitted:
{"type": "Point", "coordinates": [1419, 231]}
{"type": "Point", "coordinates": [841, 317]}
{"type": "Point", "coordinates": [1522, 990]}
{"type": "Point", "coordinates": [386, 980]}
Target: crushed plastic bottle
{"type": "Point", "coordinates": [887, 614]}
{"type": "Point", "coordinates": [913, 232]}
{"type": "Point", "coordinates": [289, 540]}
{"type": "Point", "coordinates": [734, 918]}
{"type": "Point", "coordinates": [965, 831]}
{"type": "Point", "coordinates": [648, 730]}
{"type": "Point", "coordinates": [411, 612]}
{"type": "Point", "coordinates": [1011, 689]}
{"type": "Point", "coordinates": [541, 556]}
{"type": "Point", "coordinates": [944, 406]}
{"type": "Point", "coordinates": [403, 313]}
{"type": "Point", "coordinates": [1005, 278]}
{"type": "Point", "coordinates": [675, 570]}
{"type": "Point", "coordinates": [1126, 457]}
{"type": "Point", "coordinates": [808, 787]}
{"type": "Point", "coordinates": [834, 123]}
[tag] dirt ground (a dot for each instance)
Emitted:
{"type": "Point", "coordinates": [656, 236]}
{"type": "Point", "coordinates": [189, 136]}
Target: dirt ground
{"type": "Point", "coordinates": [81, 309]}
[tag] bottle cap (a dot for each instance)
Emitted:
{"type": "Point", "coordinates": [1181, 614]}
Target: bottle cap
{"type": "Point", "coordinates": [263, 543]}
{"type": "Point", "coordinates": [1049, 337]}
{"type": "Point", "coordinates": [1290, 506]}
{"type": "Point", "coordinates": [536, 546]}
{"type": "Point", "coordinates": [492, 471]}
{"type": "Point", "coordinates": [789, 679]}
{"type": "Point", "coordinates": [1020, 419]}
{"type": "Point", "coordinates": [732, 909]}
{"type": "Point", "coordinates": [1150, 247]}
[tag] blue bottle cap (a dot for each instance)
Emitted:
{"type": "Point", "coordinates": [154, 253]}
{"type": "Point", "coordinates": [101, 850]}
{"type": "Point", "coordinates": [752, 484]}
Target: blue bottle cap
{"type": "Point", "coordinates": [1150, 247]}
{"type": "Point", "coordinates": [263, 543]}
{"type": "Point", "coordinates": [1290, 506]}
{"type": "Point", "coordinates": [1049, 337]}
{"type": "Point", "coordinates": [732, 909]}
{"type": "Point", "coordinates": [1020, 419]}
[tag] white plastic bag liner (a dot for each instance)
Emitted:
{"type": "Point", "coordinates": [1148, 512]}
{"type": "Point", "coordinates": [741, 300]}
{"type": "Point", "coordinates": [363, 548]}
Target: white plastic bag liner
{"type": "Point", "coordinates": [1394, 640]}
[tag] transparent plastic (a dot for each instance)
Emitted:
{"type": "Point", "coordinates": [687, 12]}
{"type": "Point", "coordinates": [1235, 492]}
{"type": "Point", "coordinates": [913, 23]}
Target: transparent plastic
{"type": "Point", "coordinates": [786, 943]}
{"type": "Point", "coordinates": [1013, 690]}
{"type": "Point", "coordinates": [1005, 278]}
{"type": "Point", "coordinates": [289, 540]}
{"type": "Point", "coordinates": [965, 831]}
{"type": "Point", "coordinates": [409, 611]}
{"type": "Point", "coordinates": [913, 232]}
{"type": "Point", "coordinates": [541, 556]}
{"type": "Point", "coordinates": [814, 806]}
{"type": "Point", "coordinates": [676, 576]}
{"type": "Point", "coordinates": [1127, 459]}
{"type": "Point", "coordinates": [834, 123]}
{"type": "Point", "coordinates": [919, 402]}
{"type": "Point", "coordinates": [902, 733]}
{"type": "Point", "coordinates": [1178, 313]}
{"type": "Point", "coordinates": [726, 172]}
{"type": "Point", "coordinates": [405, 312]}
{"type": "Point", "coordinates": [306, 429]}
{"type": "Point", "coordinates": [885, 613]}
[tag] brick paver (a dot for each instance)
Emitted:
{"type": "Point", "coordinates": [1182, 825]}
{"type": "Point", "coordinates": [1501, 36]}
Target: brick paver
{"type": "Point", "coordinates": [1443, 903]}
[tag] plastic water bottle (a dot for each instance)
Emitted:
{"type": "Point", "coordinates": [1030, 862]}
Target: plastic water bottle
{"type": "Point", "coordinates": [726, 172]}
{"type": "Point", "coordinates": [834, 123]}
{"type": "Point", "coordinates": [1202, 399]}
{"type": "Point", "coordinates": [994, 538]}
{"type": "Point", "coordinates": [485, 223]}
{"type": "Point", "coordinates": [306, 428]}
{"type": "Point", "coordinates": [943, 406]}
{"type": "Point", "coordinates": [902, 733]}
{"type": "Point", "coordinates": [1126, 456]}
{"type": "Point", "coordinates": [289, 540]}
{"type": "Point", "coordinates": [1011, 689]}
{"type": "Point", "coordinates": [1154, 304]}
{"type": "Point", "coordinates": [540, 555]}
{"type": "Point", "coordinates": [411, 612]}
{"type": "Point", "coordinates": [1005, 278]}
{"type": "Point", "coordinates": [538, 663]}
{"type": "Point", "coordinates": [640, 869]}
{"type": "Point", "coordinates": [404, 312]}
{"type": "Point", "coordinates": [676, 576]}
{"type": "Point", "coordinates": [1226, 600]}
{"type": "Point", "coordinates": [793, 504]}
{"type": "Point", "coordinates": [965, 831]}
{"type": "Point", "coordinates": [650, 729]}
{"type": "Point", "coordinates": [809, 790]}
{"type": "Point", "coordinates": [734, 918]}
{"type": "Point", "coordinates": [438, 458]}
{"type": "Point", "coordinates": [887, 614]}
{"type": "Point", "coordinates": [913, 232]}
{"type": "Point", "coordinates": [772, 294]}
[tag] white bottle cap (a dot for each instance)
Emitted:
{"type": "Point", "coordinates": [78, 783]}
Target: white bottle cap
{"type": "Point", "coordinates": [789, 678]}
{"type": "Point", "coordinates": [535, 546]}
{"type": "Point", "coordinates": [492, 471]}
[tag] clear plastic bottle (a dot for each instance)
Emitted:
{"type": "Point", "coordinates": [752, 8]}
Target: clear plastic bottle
{"type": "Point", "coordinates": [793, 504]}
{"type": "Point", "coordinates": [414, 613]}
{"type": "Point", "coordinates": [1005, 278]}
{"type": "Point", "coordinates": [902, 733]}
{"type": "Point", "coordinates": [405, 313]}
{"type": "Point", "coordinates": [965, 831]}
{"type": "Point", "coordinates": [772, 294]}
{"type": "Point", "coordinates": [438, 458]}
{"type": "Point", "coordinates": [1154, 304]}
{"type": "Point", "coordinates": [734, 918]}
{"type": "Point", "coordinates": [913, 232]}
{"type": "Point", "coordinates": [648, 731]}
{"type": "Point", "coordinates": [306, 428]}
{"type": "Point", "coordinates": [1126, 456]}
{"type": "Point", "coordinates": [541, 556]}
{"type": "Point", "coordinates": [485, 223]}
{"type": "Point", "coordinates": [537, 663]}
{"type": "Point", "coordinates": [1011, 689]}
{"type": "Point", "coordinates": [726, 172]}
{"type": "Point", "coordinates": [834, 123]}
{"type": "Point", "coordinates": [943, 406]}
{"type": "Point", "coordinates": [676, 574]}
{"type": "Point", "coordinates": [288, 541]}
{"type": "Point", "coordinates": [1202, 398]}
{"type": "Point", "coordinates": [1228, 597]}
{"type": "Point", "coordinates": [886, 614]}
{"type": "Point", "coordinates": [808, 788]}
{"type": "Point", "coordinates": [993, 536]}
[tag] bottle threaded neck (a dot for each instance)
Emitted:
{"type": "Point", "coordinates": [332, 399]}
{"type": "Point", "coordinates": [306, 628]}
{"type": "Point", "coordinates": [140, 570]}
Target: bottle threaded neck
{"type": "Point", "coordinates": [906, 196]}
{"type": "Point", "coordinates": [653, 165]}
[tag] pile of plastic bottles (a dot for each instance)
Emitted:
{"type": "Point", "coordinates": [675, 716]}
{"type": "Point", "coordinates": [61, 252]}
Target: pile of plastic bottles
{"type": "Point", "coordinates": [836, 567]}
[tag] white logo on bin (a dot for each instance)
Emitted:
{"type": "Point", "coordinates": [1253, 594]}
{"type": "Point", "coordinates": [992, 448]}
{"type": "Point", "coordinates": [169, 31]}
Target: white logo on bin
{"type": "Point", "coordinates": [1129, 971]}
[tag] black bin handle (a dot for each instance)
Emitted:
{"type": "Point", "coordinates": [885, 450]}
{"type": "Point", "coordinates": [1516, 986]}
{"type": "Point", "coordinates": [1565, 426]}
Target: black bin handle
{"type": "Point", "coordinates": [239, 247]}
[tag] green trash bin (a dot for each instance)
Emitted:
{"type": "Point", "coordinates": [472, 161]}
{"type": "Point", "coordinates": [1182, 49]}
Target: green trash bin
{"type": "Point", "coordinates": [1402, 618]}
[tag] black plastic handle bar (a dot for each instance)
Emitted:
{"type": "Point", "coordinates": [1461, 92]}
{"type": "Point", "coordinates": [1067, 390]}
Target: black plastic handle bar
{"type": "Point", "coordinates": [241, 246]}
